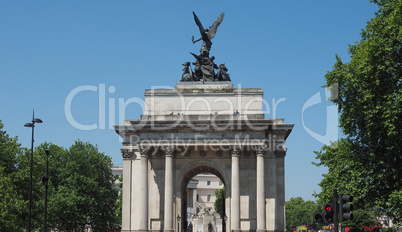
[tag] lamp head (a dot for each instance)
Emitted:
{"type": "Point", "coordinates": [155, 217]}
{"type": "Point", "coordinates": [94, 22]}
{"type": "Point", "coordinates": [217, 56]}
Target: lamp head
{"type": "Point", "coordinates": [29, 124]}
{"type": "Point", "coordinates": [37, 120]}
{"type": "Point", "coordinates": [47, 151]}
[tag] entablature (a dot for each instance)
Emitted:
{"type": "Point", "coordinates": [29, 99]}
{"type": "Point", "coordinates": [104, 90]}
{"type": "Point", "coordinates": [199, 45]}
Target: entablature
{"type": "Point", "coordinates": [185, 125]}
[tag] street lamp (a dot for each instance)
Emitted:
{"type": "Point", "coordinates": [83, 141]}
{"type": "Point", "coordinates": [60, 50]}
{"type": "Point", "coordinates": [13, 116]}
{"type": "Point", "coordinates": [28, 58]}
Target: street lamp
{"type": "Point", "coordinates": [45, 181]}
{"type": "Point", "coordinates": [32, 125]}
{"type": "Point", "coordinates": [178, 223]}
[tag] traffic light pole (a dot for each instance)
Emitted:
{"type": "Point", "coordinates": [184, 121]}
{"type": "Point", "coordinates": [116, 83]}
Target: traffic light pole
{"type": "Point", "coordinates": [336, 223]}
{"type": "Point", "coordinates": [331, 211]}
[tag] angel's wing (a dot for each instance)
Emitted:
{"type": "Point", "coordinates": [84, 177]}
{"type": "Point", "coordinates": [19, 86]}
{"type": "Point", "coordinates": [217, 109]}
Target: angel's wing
{"type": "Point", "coordinates": [214, 27]}
{"type": "Point", "coordinates": [202, 31]}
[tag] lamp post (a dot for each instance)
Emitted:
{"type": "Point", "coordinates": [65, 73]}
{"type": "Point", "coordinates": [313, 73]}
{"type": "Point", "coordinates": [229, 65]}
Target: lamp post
{"type": "Point", "coordinates": [32, 125]}
{"type": "Point", "coordinates": [178, 223]}
{"type": "Point", "coordinates": [225, 218]}
{"type": "Point", "coordinates": [45, 181]}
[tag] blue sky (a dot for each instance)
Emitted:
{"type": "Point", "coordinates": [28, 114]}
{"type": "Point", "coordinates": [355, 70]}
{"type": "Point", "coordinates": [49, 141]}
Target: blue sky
{"type": "Point", "coordinates": [50, 48]}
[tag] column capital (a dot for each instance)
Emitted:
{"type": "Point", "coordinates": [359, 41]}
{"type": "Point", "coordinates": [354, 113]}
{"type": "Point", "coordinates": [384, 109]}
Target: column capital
{"type": "Point", "coordinates": [146, 150]}
{"type": "Point", "coordinates": [234, 151]}
{"type": "Point", "coordinates": [281, 153]}
{"type": "Point", "coordinates": [127, 153]}
{"type": "Point", "coordinates": [170, 152]}
{"type": "Point", "coordinates": [260, 151]}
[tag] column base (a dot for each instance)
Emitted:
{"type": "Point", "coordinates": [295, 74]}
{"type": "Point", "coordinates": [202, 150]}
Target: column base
{"type": "Point", "coordinates": [260, 230]}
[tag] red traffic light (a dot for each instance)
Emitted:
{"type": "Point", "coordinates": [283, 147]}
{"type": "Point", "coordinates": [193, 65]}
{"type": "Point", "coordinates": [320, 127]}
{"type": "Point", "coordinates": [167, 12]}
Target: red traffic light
{"type": "Point", "coordinates": [328, 212]}
{"type": "Point", "coordinates": [328, 208]}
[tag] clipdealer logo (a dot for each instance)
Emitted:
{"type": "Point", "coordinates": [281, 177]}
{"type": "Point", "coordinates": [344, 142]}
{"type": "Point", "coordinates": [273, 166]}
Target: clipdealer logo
{"type": "Point", "coordinates": [107, 107]}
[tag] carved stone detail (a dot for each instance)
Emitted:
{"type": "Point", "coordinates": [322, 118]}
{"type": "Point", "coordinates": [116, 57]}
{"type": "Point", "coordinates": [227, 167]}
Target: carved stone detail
{"type": "Point", "coordinates": [203, 153]}
{"type": "Point", "coordinates": [281, 153]}
{"type": "Point", "coordinates": [219, 153]}
{"type": "Point", "coordinates": [247, 153]}
{"type": "Point", "coordinates": [127, 153]}
{"type": "Point", "coordinates": [260, 151]}
{"type": "Point", "coordinates": [171, 152]}
{"type": "Point", "coordinates": [187, 153]}
{"type": "Point", "coordinates": [159, 153]}
{"type": "Point", "coordinates": [147, 151]}
{"type": "Point", "coordinates": [234, 151]}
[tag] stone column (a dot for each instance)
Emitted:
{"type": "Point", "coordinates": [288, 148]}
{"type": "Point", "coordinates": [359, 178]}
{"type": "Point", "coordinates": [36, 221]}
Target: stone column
{"type": "Point", "coordinates": [235, 198]}
{"type": "Point", "coordinates": [260, 191]}
{"type": "Point", "coordinates": [143, 187]}
{"type": "Point", "coordinates": [126, 207]}
{"type": "Point", "coordinates": [168, 213]}
{"type": "Point", "coordinates": [270, 191]}
{"type": "Point", "coordinates": [280, 189]}
{"type": "Point", "coordinates": [194, 200]}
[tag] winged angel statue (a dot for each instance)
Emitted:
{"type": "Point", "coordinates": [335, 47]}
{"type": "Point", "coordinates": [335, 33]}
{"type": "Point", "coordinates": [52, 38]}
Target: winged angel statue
{"type": "Point", "coordinates": [207, 34]}
{"type": "Point", "coordinates": [204, 65]}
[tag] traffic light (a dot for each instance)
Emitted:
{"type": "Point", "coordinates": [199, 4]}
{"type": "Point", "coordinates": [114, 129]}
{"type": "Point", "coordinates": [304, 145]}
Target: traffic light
{"type": "Point", "coordinates": [318, 217]}
{"type": "Point", "coordinates": [344, 209]}
{"type": "Point", "coordinates": [328, 212]}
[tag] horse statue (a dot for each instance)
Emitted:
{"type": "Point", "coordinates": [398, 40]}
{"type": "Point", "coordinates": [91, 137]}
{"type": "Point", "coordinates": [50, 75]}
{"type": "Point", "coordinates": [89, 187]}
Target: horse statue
{"type": "Point", "coordinates": [187, 73]}
{"type": "Point", "coordinates": [222, 74]}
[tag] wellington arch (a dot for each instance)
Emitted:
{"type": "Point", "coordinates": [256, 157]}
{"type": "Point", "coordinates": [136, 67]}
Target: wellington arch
{"type": "Point", "coordinates": [203, 127]}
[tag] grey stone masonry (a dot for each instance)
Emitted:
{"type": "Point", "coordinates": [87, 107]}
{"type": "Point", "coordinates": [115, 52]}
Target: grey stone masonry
{"type": "Point", "coordinates": [203, 128]}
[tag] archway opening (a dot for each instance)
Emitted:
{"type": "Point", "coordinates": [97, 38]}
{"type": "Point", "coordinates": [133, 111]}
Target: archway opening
{"type": "Point", "coordinates": [201, 187]}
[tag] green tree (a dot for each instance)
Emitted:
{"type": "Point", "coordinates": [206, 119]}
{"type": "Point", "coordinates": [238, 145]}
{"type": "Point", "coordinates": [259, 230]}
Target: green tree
{"type": "Point", "coordinates": [337, 158]}
{"type": "Point", "coordinates": [119, 203]}
{"type": "Point", "coordinates": [368, 93]}
{"type": "Point", "coordinates": [13, 207]}
{"type": "Point", "coordinates": [84, 192]}
{"type": "Point", "coordinates": [81, 187]}
{"type": "Point", "coordinates": [219, 203]}
{"type": "Point", "coordinates": [299, 212]}
{"type": "Point", "coordinates": [9, 148]}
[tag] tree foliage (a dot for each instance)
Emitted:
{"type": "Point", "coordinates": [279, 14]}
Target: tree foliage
{"type": "Point", "coordinates": [84, 186]}
{"type": "Point", "coordinates": [12, 201]}
{"type": "Point", "coordinates": [299, 212]}
{"type": "Point", "coordinates": [9, 148]}
{"type": "Point", "coordinates": [119, 203]}
{"type": "Point", "coordinates": [81, 189]}
{"type": "Point", "coordinates": [219, 203]}
{"type": "Point", "coordinates": [368, 93]}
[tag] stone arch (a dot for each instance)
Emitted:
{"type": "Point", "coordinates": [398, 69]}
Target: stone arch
{"type": "Point", "coordinates": [198, 167]}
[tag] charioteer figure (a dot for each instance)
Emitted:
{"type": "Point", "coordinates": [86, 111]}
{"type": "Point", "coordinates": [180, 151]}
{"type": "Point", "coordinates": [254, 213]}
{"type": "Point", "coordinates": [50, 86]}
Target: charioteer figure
{"type": "Point", "coordinates": [207, 67]}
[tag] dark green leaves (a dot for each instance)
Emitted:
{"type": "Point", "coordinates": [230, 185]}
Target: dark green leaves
{"type": "Point", "coordinates": [81, 191]}
{"type": "Point", "coordinates": [369, 97]}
